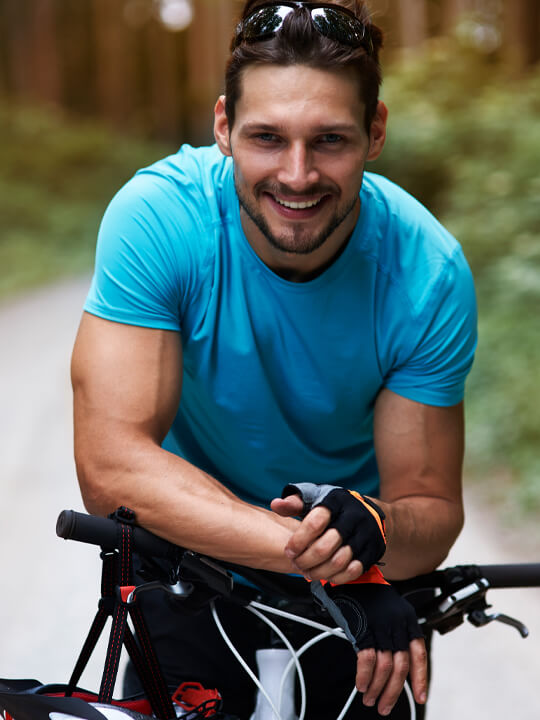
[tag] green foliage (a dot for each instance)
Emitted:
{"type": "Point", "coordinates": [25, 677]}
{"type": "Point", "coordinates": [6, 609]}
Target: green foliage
{"type": "Point", "coordinates": [465, 139]}
{"type": "Point", "coordinates": [56, 178]}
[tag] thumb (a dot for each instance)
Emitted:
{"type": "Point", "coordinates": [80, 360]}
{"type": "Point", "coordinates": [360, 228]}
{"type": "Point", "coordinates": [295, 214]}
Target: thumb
{"type": "Point", "coordinates": [288, 507]}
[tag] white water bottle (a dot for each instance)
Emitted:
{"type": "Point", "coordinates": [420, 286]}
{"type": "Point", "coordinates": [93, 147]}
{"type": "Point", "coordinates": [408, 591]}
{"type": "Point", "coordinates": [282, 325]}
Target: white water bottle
{"type": "Point", "coordinates": [271, 664]}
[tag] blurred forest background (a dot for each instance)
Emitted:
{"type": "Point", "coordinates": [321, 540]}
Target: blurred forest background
{"type": "Point", "coordinates": [90, 90]}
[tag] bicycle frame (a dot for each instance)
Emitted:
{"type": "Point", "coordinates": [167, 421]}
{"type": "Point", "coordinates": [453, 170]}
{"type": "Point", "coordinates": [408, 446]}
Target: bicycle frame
{"type": "Point", "coordinates": [459, 593]}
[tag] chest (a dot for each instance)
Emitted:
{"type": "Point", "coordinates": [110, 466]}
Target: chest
{"type": "Point", "coordinates": [257, 348]}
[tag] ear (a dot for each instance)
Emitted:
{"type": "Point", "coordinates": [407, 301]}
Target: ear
{"type": "Point", "coordinates": [221, 127]}
{"type": "Point", "coordinates": [377, 134]}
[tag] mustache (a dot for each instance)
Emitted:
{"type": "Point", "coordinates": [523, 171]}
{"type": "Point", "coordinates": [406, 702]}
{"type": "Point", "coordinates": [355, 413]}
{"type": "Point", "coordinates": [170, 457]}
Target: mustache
{"type": "Point", "coordinates": [277, 189]}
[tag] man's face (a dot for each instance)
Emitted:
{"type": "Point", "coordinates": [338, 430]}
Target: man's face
{"type": "Point", "coordinates": [299, 147]}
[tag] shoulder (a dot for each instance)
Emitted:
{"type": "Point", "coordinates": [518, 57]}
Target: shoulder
{"type": "Point", "coordinates": [193, 167]}
{"type": "Point", "coordinates": [157, 238]}
{"type": "Point", "coordinates": [192, 178]}
{"type": "Point", "coordinates": [171, 206]}
{"type": "Point", "coordinates": [424, 297]}
{"type": "Point", "coordinates": [414, 252]}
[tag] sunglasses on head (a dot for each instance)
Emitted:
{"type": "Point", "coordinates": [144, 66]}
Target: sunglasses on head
{"type": "Point", "coordinates": [332, 21]}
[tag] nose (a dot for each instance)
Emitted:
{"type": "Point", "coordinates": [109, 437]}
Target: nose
{"type": "Point", "coordinates": [297, 170]}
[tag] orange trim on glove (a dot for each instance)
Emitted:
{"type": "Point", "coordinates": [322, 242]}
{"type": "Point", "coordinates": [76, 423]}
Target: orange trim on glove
{"type": "Point", "coordinates": [375, 514]}
{"type": "Point", "coordinates": [373, 576]}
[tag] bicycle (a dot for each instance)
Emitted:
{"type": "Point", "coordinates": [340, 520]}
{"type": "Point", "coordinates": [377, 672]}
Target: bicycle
{"type": "Point", "coordinates": [453, 595]}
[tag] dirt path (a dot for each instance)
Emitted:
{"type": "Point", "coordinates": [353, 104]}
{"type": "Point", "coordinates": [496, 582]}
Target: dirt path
{"type": "Point", "coordinates": [49, 587]}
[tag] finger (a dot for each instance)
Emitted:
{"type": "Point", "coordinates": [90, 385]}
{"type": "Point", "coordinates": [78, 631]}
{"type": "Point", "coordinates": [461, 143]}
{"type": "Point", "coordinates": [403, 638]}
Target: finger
{"type": "Point", "coordinates": [419, 670]}
{"type": "Point", "coordinates": [395, 683]}
{"type": "Point", "coordinates": [326, 550]}
{"type": "Point", "coordinates": [335, 558]}
{"type": "Point", "coordinates": [348, 575]}
{"type": "Point", "coordinates": [384, 666]}
{"type": "Point", "coordinates": [311, 527]}
{"type": "Point", "coordinates": [287, 507]}
{"type": "Point", "coordinates": [365, 666]}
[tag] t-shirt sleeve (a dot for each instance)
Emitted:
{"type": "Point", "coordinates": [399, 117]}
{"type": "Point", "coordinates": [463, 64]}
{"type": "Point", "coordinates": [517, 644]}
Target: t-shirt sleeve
{"type": "Point", "coordinates": [148, 255]}
{"type": "Point", "coordinates": [436, 336]}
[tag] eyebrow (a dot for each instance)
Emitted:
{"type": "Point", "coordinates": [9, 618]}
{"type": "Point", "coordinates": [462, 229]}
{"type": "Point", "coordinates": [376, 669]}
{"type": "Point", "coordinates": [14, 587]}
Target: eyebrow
{"type": "Point", "coordinates": [254, 126]}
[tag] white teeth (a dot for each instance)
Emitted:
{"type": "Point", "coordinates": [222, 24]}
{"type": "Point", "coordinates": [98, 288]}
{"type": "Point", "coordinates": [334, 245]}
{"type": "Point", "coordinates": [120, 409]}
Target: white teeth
{"type": "Point", "coordinates": [297, 205]}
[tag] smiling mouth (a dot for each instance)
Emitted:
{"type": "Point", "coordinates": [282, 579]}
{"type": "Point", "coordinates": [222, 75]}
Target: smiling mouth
{"type": "Point", "coordinates": [306, 205]}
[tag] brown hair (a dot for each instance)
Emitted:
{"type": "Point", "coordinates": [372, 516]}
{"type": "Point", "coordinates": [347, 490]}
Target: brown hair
{"type": "Point", "coordinates": [299, 43]}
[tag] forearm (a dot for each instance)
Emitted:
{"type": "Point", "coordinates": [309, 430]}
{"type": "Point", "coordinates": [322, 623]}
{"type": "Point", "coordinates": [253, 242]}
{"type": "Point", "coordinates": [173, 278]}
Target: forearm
{"type": "Point", "coordinates": [420, 532]}
{"type": "Point", "coordinates": [181, 503]}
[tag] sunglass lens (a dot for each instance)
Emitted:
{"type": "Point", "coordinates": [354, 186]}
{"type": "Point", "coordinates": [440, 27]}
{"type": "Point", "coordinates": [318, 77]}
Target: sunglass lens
{"type": "Point", "coordinates": [337, 26]}
{"type": "Point", "coordinates": [266, 22]}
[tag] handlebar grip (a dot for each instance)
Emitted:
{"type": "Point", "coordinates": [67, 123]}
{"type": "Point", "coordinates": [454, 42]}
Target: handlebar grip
{"type": "Point", "coordinates": [93, 530]}
{"type": "Point", "coordinates": [511, 576]}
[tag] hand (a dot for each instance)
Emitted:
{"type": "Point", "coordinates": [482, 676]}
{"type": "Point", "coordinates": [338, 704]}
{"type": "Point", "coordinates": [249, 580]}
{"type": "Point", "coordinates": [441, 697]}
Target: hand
{"type": "Point", "coordinates": [389, 642]}
{"type": "Point", "coordinates": [381, 675]}
{"type": "Point", "coordinates": [341, 535]}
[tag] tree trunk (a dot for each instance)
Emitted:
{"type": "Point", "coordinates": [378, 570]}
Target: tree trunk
{"type": "Point", "coordinates": [164, 82]}
{"type": "Point", "coordinates": [115, 61]}
{"type": "Point", "coordinates": [207, 55]}
{"type": "Point", "coordinates": [413, 23]}
{"type": "Point", "coordinates": [18, 75]}
{"type": "Point", "coordinates": [76, 52]}
{"type": "Point", "coordinates": [451, 12]}
{"type": "Point", "coordinates": [521, 34]}
{"type": "Point", "coordinates": [46, 72]}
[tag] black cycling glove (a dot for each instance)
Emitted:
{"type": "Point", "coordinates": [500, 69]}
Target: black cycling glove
{"type": "Point", "coordinates": [376, 615]}
{"type": "Point", "coordinates": [359, 521]}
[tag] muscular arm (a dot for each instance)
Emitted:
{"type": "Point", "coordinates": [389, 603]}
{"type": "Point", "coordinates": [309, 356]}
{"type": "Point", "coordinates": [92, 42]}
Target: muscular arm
{"type": "Point", "coordinates": [419, 452]}
{"type": "Point", "coordinates": [127, 386]}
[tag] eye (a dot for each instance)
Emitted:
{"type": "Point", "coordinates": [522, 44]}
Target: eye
{"type": "Point", "coordinates": [266, 137]}
{"type": "Point", "coordinates": [331, 139]}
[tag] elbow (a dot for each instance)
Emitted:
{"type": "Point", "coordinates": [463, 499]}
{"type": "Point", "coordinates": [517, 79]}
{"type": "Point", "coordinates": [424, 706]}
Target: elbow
{"type": "Point", "coordinates": [455, 526]}
{"type": "Point", "coordinates": [442, 549]}
{"type": "Point", "coordinates": [96, 484]}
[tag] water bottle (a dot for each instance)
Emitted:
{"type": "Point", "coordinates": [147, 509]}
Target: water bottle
{"type": "Point", "coordinates": [271, 664]}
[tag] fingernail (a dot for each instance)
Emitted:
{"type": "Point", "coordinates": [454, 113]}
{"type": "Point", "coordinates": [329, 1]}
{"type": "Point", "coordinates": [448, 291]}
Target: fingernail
{"type": "Point", "coordinates": [423, 698]}
{"type": "Point", "coordinates": [369, 702]}
{"type": "Point", "coordinates": [290, 553]}
{"type": "Point", "coordinates": [386, 711]}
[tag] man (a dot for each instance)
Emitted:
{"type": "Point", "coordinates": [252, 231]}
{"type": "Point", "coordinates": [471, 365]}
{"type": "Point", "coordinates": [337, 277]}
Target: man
{"type": "Point", "coordinates": [265, 314]}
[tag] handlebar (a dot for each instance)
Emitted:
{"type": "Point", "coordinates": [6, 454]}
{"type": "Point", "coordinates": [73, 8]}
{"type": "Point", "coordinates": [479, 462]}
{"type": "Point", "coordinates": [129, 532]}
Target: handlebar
{"type": "Point", "coordinates": [93, 530]}
{"type": "Point", "coordinates": [72, 525]}
{"type": "Point", "coordinates": [511, 575]}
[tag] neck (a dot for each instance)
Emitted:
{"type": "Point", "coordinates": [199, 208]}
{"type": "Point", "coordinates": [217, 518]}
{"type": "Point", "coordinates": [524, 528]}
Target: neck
{"type": "Point", "coordinates": [300, 267]}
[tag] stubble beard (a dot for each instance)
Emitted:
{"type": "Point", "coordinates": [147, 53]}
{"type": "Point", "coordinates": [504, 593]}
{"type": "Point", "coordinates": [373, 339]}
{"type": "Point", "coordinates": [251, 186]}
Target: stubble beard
{"type": "Point", "coordinates": [298, 241]}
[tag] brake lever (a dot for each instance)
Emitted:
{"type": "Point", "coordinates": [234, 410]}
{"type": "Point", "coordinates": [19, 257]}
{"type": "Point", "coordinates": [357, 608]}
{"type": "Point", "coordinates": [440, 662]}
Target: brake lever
{"type": "Point", "coordinates": [469, 600]}
{"type": "Point", "coordinates": [479, 618]}
{"type": "Point", "coordinates": [448, 610]}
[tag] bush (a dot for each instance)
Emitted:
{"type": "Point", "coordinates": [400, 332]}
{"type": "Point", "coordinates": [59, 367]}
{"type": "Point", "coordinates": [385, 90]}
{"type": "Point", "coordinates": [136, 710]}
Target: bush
{"type": "Point", "coordinates": [56, 178]}
{"type": "Point", "coordinates": [465, 140]}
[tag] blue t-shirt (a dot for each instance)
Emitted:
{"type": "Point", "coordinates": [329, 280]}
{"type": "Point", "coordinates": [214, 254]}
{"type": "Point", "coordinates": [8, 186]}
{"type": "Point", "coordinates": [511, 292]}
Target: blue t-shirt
{"type": "Point", "coordinates": [280, 378]}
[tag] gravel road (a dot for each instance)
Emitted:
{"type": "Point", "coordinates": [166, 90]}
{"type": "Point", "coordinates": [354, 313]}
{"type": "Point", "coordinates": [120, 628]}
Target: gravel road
{"type": "Point", "coordinates": [49, 587]}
